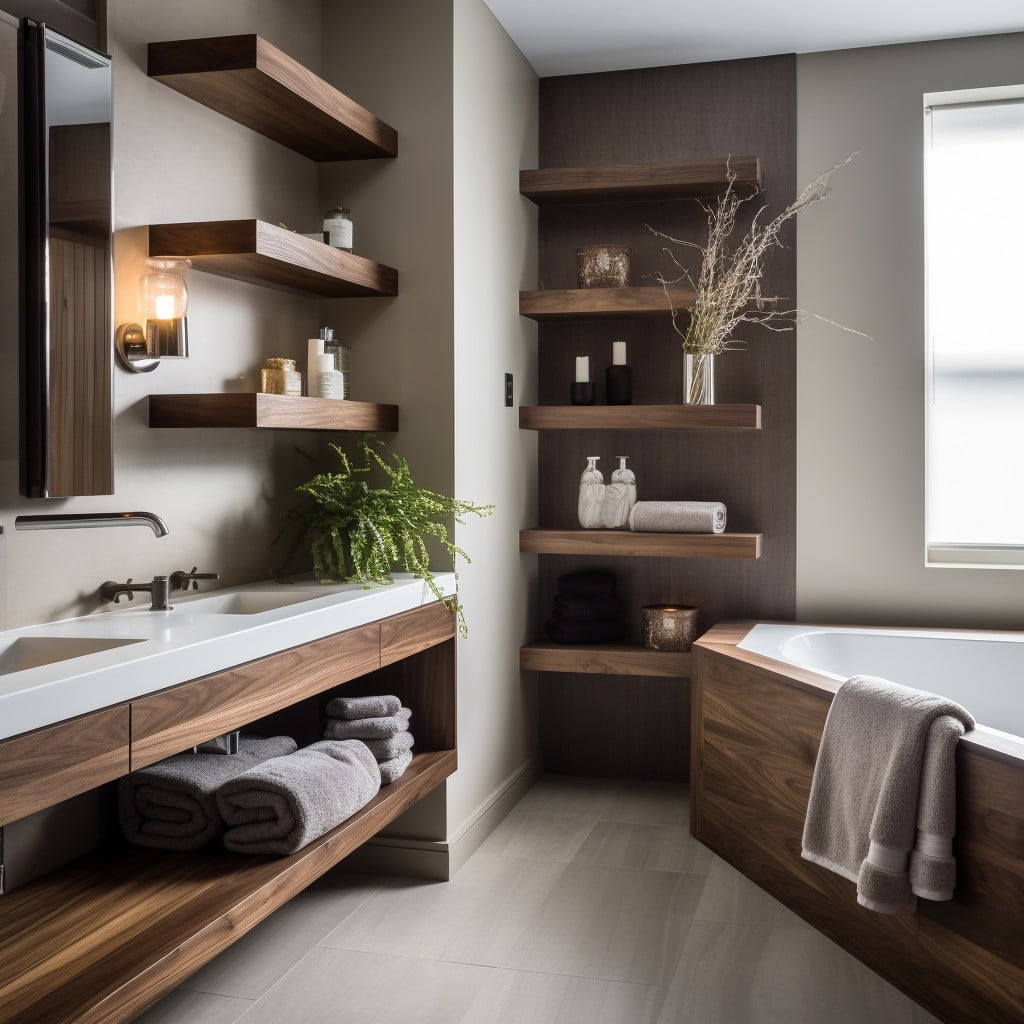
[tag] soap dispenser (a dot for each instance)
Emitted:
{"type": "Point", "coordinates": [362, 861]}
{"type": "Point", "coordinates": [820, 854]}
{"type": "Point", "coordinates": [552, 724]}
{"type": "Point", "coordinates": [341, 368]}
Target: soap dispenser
{"type": "Point", "coordinates": [591, 504]}
{"type": "Point", "coordinates": [620, 496]}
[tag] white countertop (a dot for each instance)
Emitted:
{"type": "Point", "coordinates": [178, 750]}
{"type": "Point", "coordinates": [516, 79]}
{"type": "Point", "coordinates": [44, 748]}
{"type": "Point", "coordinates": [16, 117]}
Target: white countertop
{"type": "Point", "coordinates": [161, 649]}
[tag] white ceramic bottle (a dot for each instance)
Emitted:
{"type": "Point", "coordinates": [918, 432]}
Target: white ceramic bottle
{"type": "Point", "coordinates": [620, 496]}
{"type": "Point", "coordinates": [591, 503]}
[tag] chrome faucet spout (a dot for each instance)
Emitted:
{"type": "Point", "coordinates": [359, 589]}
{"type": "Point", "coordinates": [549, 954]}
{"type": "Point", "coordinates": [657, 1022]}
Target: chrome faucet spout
{"type": "Point", "coordinates": [92, 520]}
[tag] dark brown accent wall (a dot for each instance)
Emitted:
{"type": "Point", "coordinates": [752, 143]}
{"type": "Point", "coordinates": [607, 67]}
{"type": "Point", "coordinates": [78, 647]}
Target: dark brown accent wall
{"type": "Point", "coordinates": [639, 726]}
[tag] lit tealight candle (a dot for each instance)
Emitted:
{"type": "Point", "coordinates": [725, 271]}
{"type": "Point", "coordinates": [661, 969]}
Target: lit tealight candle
{"type": "Point", "coordinates": [582, 369]}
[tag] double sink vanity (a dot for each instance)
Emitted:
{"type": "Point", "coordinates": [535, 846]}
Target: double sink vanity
{"type": "Point", "coordinates": [84, 701]}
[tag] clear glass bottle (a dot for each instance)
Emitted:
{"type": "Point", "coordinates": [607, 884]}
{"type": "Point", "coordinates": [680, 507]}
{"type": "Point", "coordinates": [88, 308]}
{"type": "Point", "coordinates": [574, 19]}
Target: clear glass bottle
{"type": "Point", "coordinates": [591, 503]}
{"type": "Point", "coordinates": [338, 226]}
{"type": "Point", "coordinates": [342, 360]}
{"type": "Point", "coordinates": [620, 496]}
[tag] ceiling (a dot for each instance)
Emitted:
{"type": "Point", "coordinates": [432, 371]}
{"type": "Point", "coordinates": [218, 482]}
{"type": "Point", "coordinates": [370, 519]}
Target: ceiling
{"type": "Point", "coordinates": [566, 37]}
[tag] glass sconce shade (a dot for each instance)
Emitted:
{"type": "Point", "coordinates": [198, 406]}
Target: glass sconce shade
{"type": "Point", "coordinates": [165, 300]}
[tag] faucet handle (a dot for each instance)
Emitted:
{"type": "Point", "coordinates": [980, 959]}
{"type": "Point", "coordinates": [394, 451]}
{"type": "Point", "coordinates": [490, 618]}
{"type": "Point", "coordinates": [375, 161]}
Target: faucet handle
{"type": "Point", "coordinates": [111, 591]}
{"type": "Point", "coordinates": [181, 579]}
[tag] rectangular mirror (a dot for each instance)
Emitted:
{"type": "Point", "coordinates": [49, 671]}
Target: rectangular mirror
{"type": "Point", "coordinates": [66, 357]}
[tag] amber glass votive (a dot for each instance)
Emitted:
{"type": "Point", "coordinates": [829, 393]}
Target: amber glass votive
{"type": "Point", "coordinates": [669, 627]}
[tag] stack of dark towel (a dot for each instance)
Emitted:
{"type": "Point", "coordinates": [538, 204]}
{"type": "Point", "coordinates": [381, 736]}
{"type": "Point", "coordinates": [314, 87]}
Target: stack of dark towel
{"type": "Point", "coordinates": [586, 610]}
{"type": "Point", "coordinates": [271, 797]}
{"type": "Point", "coordinates": [381, 723]}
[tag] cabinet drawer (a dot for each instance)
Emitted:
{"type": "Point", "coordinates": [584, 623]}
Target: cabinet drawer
{"type": "Point", "coordinates": [184, 715]}
{"type": "Point", "coordinates": [41, 768]}
{"type": "Point", "coordinates": [411, 632]}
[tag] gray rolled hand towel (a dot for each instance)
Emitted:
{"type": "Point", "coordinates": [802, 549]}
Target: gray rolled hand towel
{"type": "Point", "coordinates": [282, 805]}
{"type": "Point", "coordinates": [369, 728]}
{"type": "Point", "coordinates": [364, 707]}
{"type": "Point", "coordinates": [677, 517]}
{"type": "Point", "coordinates": [391, 771]}
{"type": "Point", "coordinates": [172, 805]}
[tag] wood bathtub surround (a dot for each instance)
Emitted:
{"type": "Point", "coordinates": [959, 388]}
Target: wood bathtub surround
{"type": "Point", "coordinates": [756, 728]}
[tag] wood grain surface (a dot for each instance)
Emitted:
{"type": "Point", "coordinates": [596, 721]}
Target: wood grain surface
{"type": "Point", "coordinates": [596, 543]}
{"type": "Point", "coordinates": [603, 659]}
{"type": "Point", "coordinates": [270, 412]}
{"type": "Point", "coordinates": [265, 254]}
{"type": "Point", "coordinates": [688, 179]}
{"type": "Point", "coordinates": [403, 635]}
{"type": "Point", "coordinates": [756, 731]}
{"type": "Point", "coordinates": [665, 115]}
{"type": "Point", "coordinates": [175, 719]}
{"type": "Point", "coordinates": [640, 417]}
{"type": "Point", "coordinates": [253, 82]}
{"type": "Point", "coordinates": [603, 303]}
{"type": "Point", "coordinates": [41, 768]}
{"type": "Point", "coordinates": [98, 943]}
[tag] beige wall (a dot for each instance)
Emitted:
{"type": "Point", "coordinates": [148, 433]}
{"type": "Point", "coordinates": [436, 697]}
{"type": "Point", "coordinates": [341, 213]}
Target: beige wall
{"type": "Point", "coordinates": [860, 413]}
{"type": "Point", "coordinates": [220, 492]}
{"type": "Point", "coordinates": [495, 462]}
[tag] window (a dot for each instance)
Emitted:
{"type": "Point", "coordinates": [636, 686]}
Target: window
{"type": "Point", "coordinates": [974, 317]}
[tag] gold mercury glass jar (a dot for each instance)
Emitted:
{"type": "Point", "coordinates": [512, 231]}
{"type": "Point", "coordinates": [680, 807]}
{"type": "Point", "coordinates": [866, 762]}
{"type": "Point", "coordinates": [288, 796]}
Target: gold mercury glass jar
{"type": "Point", "coordinates": [279, 377]}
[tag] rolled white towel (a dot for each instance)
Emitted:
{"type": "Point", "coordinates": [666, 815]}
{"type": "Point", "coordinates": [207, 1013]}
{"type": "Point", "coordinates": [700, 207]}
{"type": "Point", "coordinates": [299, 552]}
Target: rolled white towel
{"type": "Point", "coordinates": [677, 517]}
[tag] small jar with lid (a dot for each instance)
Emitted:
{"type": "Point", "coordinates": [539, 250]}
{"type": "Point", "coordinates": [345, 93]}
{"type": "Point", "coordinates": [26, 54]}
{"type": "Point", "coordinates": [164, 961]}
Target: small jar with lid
{"type": "Point", "coordinates": [338, 228]}
{"type": "Point", "coordinates": [279, 377]}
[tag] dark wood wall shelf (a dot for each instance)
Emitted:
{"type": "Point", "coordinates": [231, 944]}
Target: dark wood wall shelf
{"type": "Point", "coordinates": [603, 659]}
{"type": "Point", "coordinates": [262, 253]}
{"type": "Point", "coordinates": [640, 417]}
{"type": "Point", "coordinates": [602, 303]}
{"type": "Point", "coordinates": [102, 940]}
{"type": "Point", "coordinates": [641, 545]}
{"type": "Point", "coordinates": [270, 412]}
{"type": "Point", "coordinates": [690, 179]}
{"type": "Point", "coordinates": [256, 84]}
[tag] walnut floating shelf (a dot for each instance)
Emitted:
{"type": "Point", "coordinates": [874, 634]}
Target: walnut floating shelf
{"type": "Point", "coordinates": [269, 412]}
{"type": "Point", "coordinates": [640, 417]}
{"type": "Point", "coordinates": [603, 659]}
{"type": "Point", "coordinates": [105, 937]}
{"type": "Point", "coordinates": [261, 253]}
{"type": "Point", "coordinates": [691, 179]}
{"type": "Point", "coordinates": [596, 543]}
{"type": "Point", "coordinates": [597, 303]}
{"type": "Point", "coordinates": [256, 84]}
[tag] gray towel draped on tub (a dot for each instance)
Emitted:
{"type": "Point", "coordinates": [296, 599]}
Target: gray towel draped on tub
{"type": "Point", "coordinates": [172, 805]}
{"type": "Point", "coordinates": [884, 788]}
{"type": "Point", "coordinates": [283, 804]}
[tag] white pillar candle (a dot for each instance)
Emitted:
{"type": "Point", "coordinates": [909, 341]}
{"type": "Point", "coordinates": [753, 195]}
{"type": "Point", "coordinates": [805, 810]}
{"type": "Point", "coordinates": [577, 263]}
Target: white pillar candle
{"type": "Point", "coordinates": [618, 353]}
{"type": "Point", "coordinates": [582, 369]}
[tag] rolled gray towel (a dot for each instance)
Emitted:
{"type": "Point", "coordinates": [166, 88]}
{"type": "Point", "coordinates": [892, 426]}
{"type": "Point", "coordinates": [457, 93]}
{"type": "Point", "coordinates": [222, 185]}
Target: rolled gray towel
{"type": "Point", "coordinates": [364, 707]}
{"type": "Point", "coordinates": [383, 750]}
{"type": "Point", "coordinates": [392, 770]}
{"type": "Point", "coordinates": [283, 804]}
{"type": "Point", "coordinates": [677, 517]}
{"type": "Point", "coordinates": [369, 728]}
{"type": "Point", "coordinates": [172, 805]}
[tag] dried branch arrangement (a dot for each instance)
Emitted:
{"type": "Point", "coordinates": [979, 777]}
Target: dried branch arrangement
{"type": "Point", "coordinates": [729, 284]}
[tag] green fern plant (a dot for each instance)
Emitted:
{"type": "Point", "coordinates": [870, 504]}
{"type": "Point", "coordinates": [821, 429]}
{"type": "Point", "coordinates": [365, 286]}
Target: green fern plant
{"type": "Point", "coordinates": [357, 532]}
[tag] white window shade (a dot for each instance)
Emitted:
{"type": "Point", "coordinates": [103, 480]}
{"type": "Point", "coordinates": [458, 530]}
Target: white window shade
{"type": "Point", "coordinates": [974, 268]}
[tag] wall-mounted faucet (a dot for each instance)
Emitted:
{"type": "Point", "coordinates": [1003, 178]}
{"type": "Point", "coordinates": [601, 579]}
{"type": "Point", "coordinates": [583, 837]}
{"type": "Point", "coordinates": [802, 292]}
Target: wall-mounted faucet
{"type": "Point", "coordinates": [92, 520]}
{"type": "Point", "coordinates": [159, 589]}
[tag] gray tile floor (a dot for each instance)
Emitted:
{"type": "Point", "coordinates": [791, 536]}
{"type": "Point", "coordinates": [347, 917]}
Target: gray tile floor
{"type": "Point", "coordinates": [589, 904]}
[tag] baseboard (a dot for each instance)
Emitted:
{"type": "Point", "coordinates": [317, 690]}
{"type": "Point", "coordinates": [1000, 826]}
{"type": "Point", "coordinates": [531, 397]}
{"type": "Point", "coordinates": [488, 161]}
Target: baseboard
{"type": "Point", "coordinates": [439, 861]}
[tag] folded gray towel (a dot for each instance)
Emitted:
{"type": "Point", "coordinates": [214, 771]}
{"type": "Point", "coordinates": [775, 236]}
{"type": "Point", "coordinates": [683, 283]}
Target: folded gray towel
{"type": "Point", "coordinates": [364, 707]}
{"type": "Point", "coordinates": [392, 770]}
{"type": "Point", "coordinates": [383, 750]}
{"type": "Point", "coordinates": [369, 728]}
{"type": "Point", "coordinates": [677, 517]}
{"type": "Point", "coordinates": [172, 805]}
{"type": "Point", "coordinates": [877, 781]}
{"type": "Point", "coordinates": [282, 805]}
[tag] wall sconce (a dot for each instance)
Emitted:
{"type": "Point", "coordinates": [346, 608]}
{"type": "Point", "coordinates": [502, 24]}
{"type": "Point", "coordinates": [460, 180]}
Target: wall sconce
{"type": "Point", "coordinates": [165, 302]}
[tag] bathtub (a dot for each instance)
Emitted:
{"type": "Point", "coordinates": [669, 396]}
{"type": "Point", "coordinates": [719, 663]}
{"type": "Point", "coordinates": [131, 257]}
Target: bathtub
{"type": "Point", "coordinates": [983, 671]}
{"type": "Point", "coordinates": [760, 696]}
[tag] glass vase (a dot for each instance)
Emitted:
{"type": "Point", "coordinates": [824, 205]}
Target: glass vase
{"type": "Point", "coordinates": [698, 378]}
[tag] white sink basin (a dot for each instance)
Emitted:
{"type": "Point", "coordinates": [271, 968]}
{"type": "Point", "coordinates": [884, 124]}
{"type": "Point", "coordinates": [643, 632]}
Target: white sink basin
{"type": "Point", "coordinates": [247, 602]}
{"type": "Point", "coordinates": [33, 651]}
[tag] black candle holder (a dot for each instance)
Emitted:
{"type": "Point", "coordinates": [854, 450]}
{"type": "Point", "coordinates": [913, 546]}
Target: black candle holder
{"type": "Point", "coordinates": [582, 393]}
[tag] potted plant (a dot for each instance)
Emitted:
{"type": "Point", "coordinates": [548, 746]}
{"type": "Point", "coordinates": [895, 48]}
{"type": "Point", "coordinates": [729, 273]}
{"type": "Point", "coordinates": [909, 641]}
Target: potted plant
{"type": "Point", "coordinates": [370, 516]}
